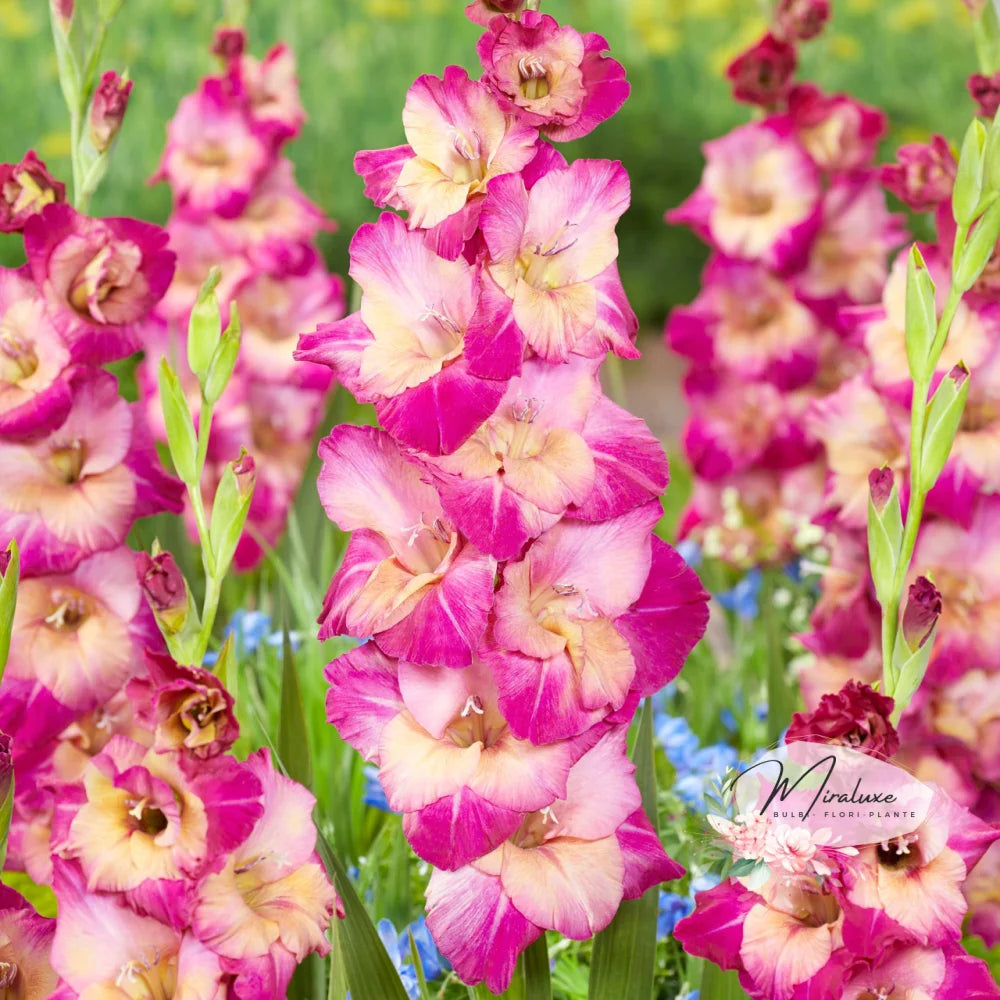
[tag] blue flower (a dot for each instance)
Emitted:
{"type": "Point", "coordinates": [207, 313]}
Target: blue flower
{"type": "Point", "coordinates": [398, 948]}
{"type": "Point", "coordinates": [744, 598]}
{"type": "Point", "coordinates": [690, 551]}
{"type": "Point", "coordinates": [374, 795]}
{"type": "Point", "coordinates": [702, 883]}
{"type": "Point", "coordinates": [692, 995]}
{"type": "Point", "coordinates": [431, 960]}
{"type": "Point", "coordinates": [672, 909]}
{"type": "Point", "coordinates": [677, 739]}
{"type": "Point", "coordinates": [394, 946]}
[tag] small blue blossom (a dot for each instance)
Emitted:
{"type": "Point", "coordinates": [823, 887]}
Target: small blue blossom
{"type": "Point", "coordinates": [744, 598]}
{"type": "Point", "coordinates": [729, 720]}
{"type": "Point", "coordinates": [394, 946]}
{"type": "Point", "coordinates": [251, 630]}
{"type": "Point", "coordinates": [431, 960]}
{"type": "Point", "coordinates": [691, 995]}
{"type": "Point", "coordinates": [673, 908]}
{"type": "Point", "coordinates": [690, 551]}
{"type": "Point", "coordinates": [702, 883]}
{"type": "Point", "coordinates": [677, 739]}
{"type": "Point", "coordinates": [374, 795]}
{"type": "Point", "coordinates": [397, 945]}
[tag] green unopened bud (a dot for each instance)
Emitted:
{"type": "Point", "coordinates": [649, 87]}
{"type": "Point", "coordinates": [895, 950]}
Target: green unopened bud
{"type": "Point", "coordinates": [224, 359]}
{"type": "Point", "coordinates": [180, 430]}
{"type": "Point", "coordinates": [921, 316]}
{"type": "Point", "coordinates": [944, 415]}
{"type": "Point", "coordinates": [230, 509]}
{"type": "Point", "coordinates": [980, 246]}
{"type": "Point", "coordinates": [204, 327]}
{"type": "Point", "coordinates": [968, 190]}
{"type": "Point", "coordinates": [885, 531]}
{"type": "Point", "coordinates": [10, 569]}
{"type": "Point", "coordinates": [992, 168]}
{"type": "Point", "coordinates": [916, 641]}
{"type": "Point", "coordinates": [165, 588]}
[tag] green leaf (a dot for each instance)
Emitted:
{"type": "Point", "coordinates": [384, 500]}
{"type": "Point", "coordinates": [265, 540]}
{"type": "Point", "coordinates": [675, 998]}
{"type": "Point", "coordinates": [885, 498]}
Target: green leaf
{"type": "Point", "coordinates": [719, 985]}
{"type": "Point", "coordinates": [744, 866]}
{"type": "Point", "coordinates": [537, 976]}
{"type": "Point", "coordinates": [910, 669]}
{"type": "Point", "coordinates": [180, 428]}
{"type": "Point", "coordinates": [944, 415]}
{"type": "Point", "coordinates": [336, 973]}
{"type": "Point", "coordinates": [204, 327]}
{"type": "Point", "coordinates": [968, 188]}
{"type": "Point", "coordinates": [41, 897]}
{"type": "Point", "coordinates": [293, 734]}
{"type": "Point", "coordinates": [370, 972]}
{"type": "Point", "coordinates": [8, 601]}
{"type": "Point", "coordinates": [418, 967]}
{"type": "Point", "coordinates": [624, 957]}
{"type": "Point", "coordinates": [921, 316]}
{"type": "Point", "coordinates": [223, 361]}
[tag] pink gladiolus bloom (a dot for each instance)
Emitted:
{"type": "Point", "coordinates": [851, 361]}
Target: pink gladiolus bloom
{"type": "Point", "coordinates": [99, 278]}
{"type": "Point", "coordinates": [801, 20]}
{"type": "Point", "coordinates": [747, 320]}
{"type": "Point", "coordinates": [25, 946]}
{"type": "Point", "coordinates": [483, 11]}
{"type": "Point", "coordinates": [759, 197]}
{"type": "Point", "coordinates": [70, 494]}
{"type": "Point", "coordinates": [271, 88]}
{"type": "Point", "coordinates": [982, 889]}
{"type": "Point", "coordinates": [448, 759]}
{"type": "Point", "coordinates": [430, 346]}
{"type": "Point", "coordinates": [273, 308]}
{"type": "Point", "coordinates": [924, 176]}
{"type": "Point", "coordinates": [407, 577]}
{"type": "Point", "coordinates": [763, 74]}
{"type": "Point", "coordinates": [104, 950]}
{"type": "Point", "coordinates": [861, 430]}
{"type": "Point", "coordinates": [80, 634]}
{"type": "Point", "coordinates": [270, 903]}
{"type": "Point", "coordinates": [551, 76]}
{"type": "Point", "coordinates": [214, 154]}
{"type": "Point", "coordinates": [459, 138]}
{"type": "Point", "coordinates": [838, 132]}
{"type": "Point", "coordinates": [849, 258]}
{"type": "Point", "coordinates": [566, 868]}
{"type": "Point", "coordinates": [581, 624]}
{"type": "Point", "coordinates": [856, 717]}
{"type": "Point", "coordinates": [25, 189]}
{"type": "Point", "coordinates": [553, 251]}
{"type": "Point", "coordinates": [34, 398]}
{"type": "Point", "coordinates": [146, 822]}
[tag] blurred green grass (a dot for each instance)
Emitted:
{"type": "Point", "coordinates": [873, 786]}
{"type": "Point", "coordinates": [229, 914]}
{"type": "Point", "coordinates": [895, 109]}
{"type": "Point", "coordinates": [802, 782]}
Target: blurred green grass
{"type": "Point", "coordinates": [357, 58]}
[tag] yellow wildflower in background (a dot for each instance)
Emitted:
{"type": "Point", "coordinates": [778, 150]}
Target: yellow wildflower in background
{"type": "Point", "coordinates": [15, 22]}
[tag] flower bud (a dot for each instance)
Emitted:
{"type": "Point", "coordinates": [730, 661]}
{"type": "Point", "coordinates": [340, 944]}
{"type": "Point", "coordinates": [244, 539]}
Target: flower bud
{"type": "Point", "coordinates": [885, 530]}
{"type": "Point", "coordinates": [229, 44]}
{"type": "Point", "coordinates": [107, 110]}
{"type": "Point", "coordinates": [245, 469]}
{"type": "Point", "coordinates": [944, 415]}
{"type": "Point", "coordinates": [976, 253]}
{"type": "Point", "coordinates": [10, 568]}
{"type": "Point", "coordinates": [800, 20]}
{"type": "Point", "coordinates": [920, 317]}
{"type": "Point", "coordinates": [62, 12]}
{"type": "Point", "coordinates": [968, 190]}
{"type": "Point", "coordinates": [181, 440]}
{"type": "Point", "coordinates": [483, 11]}
{"type": "Point", "coordinates": [923, 608]}
{"type": "Point", "coordinates": [220, 368]}
{"type": "Point", "coordinates": [763, 74]}
{"type": "Point", "coordinates": [165, 589]}
{"type": "Point", "coordinates": [230, 509]}
{"type": "Point", "coordinates": [25, 189]}
{"type": "Point", "coordinates": [204, 327]}
{"type": "Point", "coordinates": [985, 91]}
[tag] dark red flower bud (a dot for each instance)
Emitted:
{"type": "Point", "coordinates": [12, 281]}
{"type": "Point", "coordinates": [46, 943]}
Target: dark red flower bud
{"type": "Point", "coordinates": [985, 91]}
{"type": "Point", "coordinates": [924, 175]}
{"type": "Point", "coordinates": [107, 111]}
{"type": "Point", "coordinates": [4, 563]}
{"type": "Point", "coordinates": [63, 10]}
{"type": "Point", "coordinates": [763, 74]}
{"type": "Point", "coordinates": [6, 766]}
{"type": "Point", "coordinates": [25, 189]}
{"type": "Point", "coordinates": [165, 589]}
{"type": "Point", "coordinates": [880, 483]}
{"type": "Point", "coordinates": [246, 473]}
{"type": "Point", "coordinates": [229, 44]}
{"type": "Point", "coordinates": [857, 717]}
{"type": "Point", "coordinates": [800, 20]}
{"type": "Point", "coordinates": [923, 608]}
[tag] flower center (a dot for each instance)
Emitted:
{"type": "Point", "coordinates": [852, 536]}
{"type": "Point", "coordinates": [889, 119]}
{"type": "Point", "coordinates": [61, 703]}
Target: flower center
{"type": "Point", "coordinates": [532, 265]}
{"type": "Point", "coordinates": [18, 359]}
{"type": "Point", "coordinates": [899, 854]}
{"type": "Point", "coordinates": [536, 828]}
{"type": "Point", "coordinates": [70, 610]}
{"type": "Point", "coordinates": [148, 978]}
{"type": "Point", "coordinates": [148, 818]}
{"type": "Point", "coordinates": [750, 202]}
{"type": "Point", "coordinates": [8, 979]}
{"type": "Point", "coordinates": [476, 723]}
{"type": "Point", "coordinates": [67, 460]}
{"type": "Point", "coordinates": [534, 77]}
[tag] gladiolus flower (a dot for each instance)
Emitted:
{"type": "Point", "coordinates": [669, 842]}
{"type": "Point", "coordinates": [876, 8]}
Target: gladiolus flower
{"type": "Point", "coordinates": [551, 76]}
{"type": "Point", "coordinates": [25, 946]}
{"type": "Point", "coordinates": [800, 20]}
{"type": "Point", "coordinates": [924, 176]}
{"type": "Point", "coordinates": [25, 189]}
{"type": "Point", "coordinates": [838, 132]}
{"type": "Point", "coordinates": [985, 91]}
{"type": "Point", "coordinates": [483, 11]}
{"type": "Point", "coordinates": [108, 109]}
{"type": "Point", "coordinates": [99, 278]}
{"type": "Point", "coordinates": [763, 74]}
{"type": "Point", "coordinates": [857, 717]}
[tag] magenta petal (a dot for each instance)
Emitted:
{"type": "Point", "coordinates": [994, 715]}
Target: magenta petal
{"type": "Point", "coordinates": [630, 463]}
{"type": "Point", "coordinates": [458, 829]}
{"type": "Point", "coordinates": [476, 926]}
{"type": "Point", "coordinates": [617, 324]}
{"type": "Point", "coordinates": [39, 415]}
{"type": "Point", "coordinates": [379, 168]}
{"type": "Point", "coordinates": [715, 929]}
{"type": "Point", "coordinates": [646, 862]}
{"type": "Point", "coordinates": [546, 159]}
{"type": "Point", "coordinates": [540, 699]}
{"type": "Point", "coordinates": [439, 415]}
{"type": "Point", "coordinates": [339, 346]}
{"type": "Point", "coordinates": [968, 978]}
{"type": "Point", "coordinates": [233, 798]}
{"type": "Point", "coordinates": [363, 697]}
{"type": "Point", "coordinates": [339, 616]}
{"type": "Point", "coordinates": [494, 344]}
{"type": "Point", "coordinates": [447, 624]}
{"type": "Point", "coordinates": [169, 901]}
{"type": "Point", "coordinates": [666, 622]}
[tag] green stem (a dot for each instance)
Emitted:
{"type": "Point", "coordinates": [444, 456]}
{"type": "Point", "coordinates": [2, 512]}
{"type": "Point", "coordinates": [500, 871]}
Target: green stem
{"type": "Point", "coordinates": [213, 582]}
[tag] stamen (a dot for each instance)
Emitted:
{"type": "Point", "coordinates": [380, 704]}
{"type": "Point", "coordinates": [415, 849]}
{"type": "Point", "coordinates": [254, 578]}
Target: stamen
{"type": "Point", "coordinates": [564, 589]}
{"type": "Point", "coordinates": [527, 411]}
{"type": "Point", "coordinates": [464, 147]}
{"type": "Point", "coordinates": [473, 704]}
{"type": "Point", "coordinates": [548, 816]}
{"type": "Point", "coordinates": [440, 317]}
{"type": "Point", "coordinates": [531, 67]}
